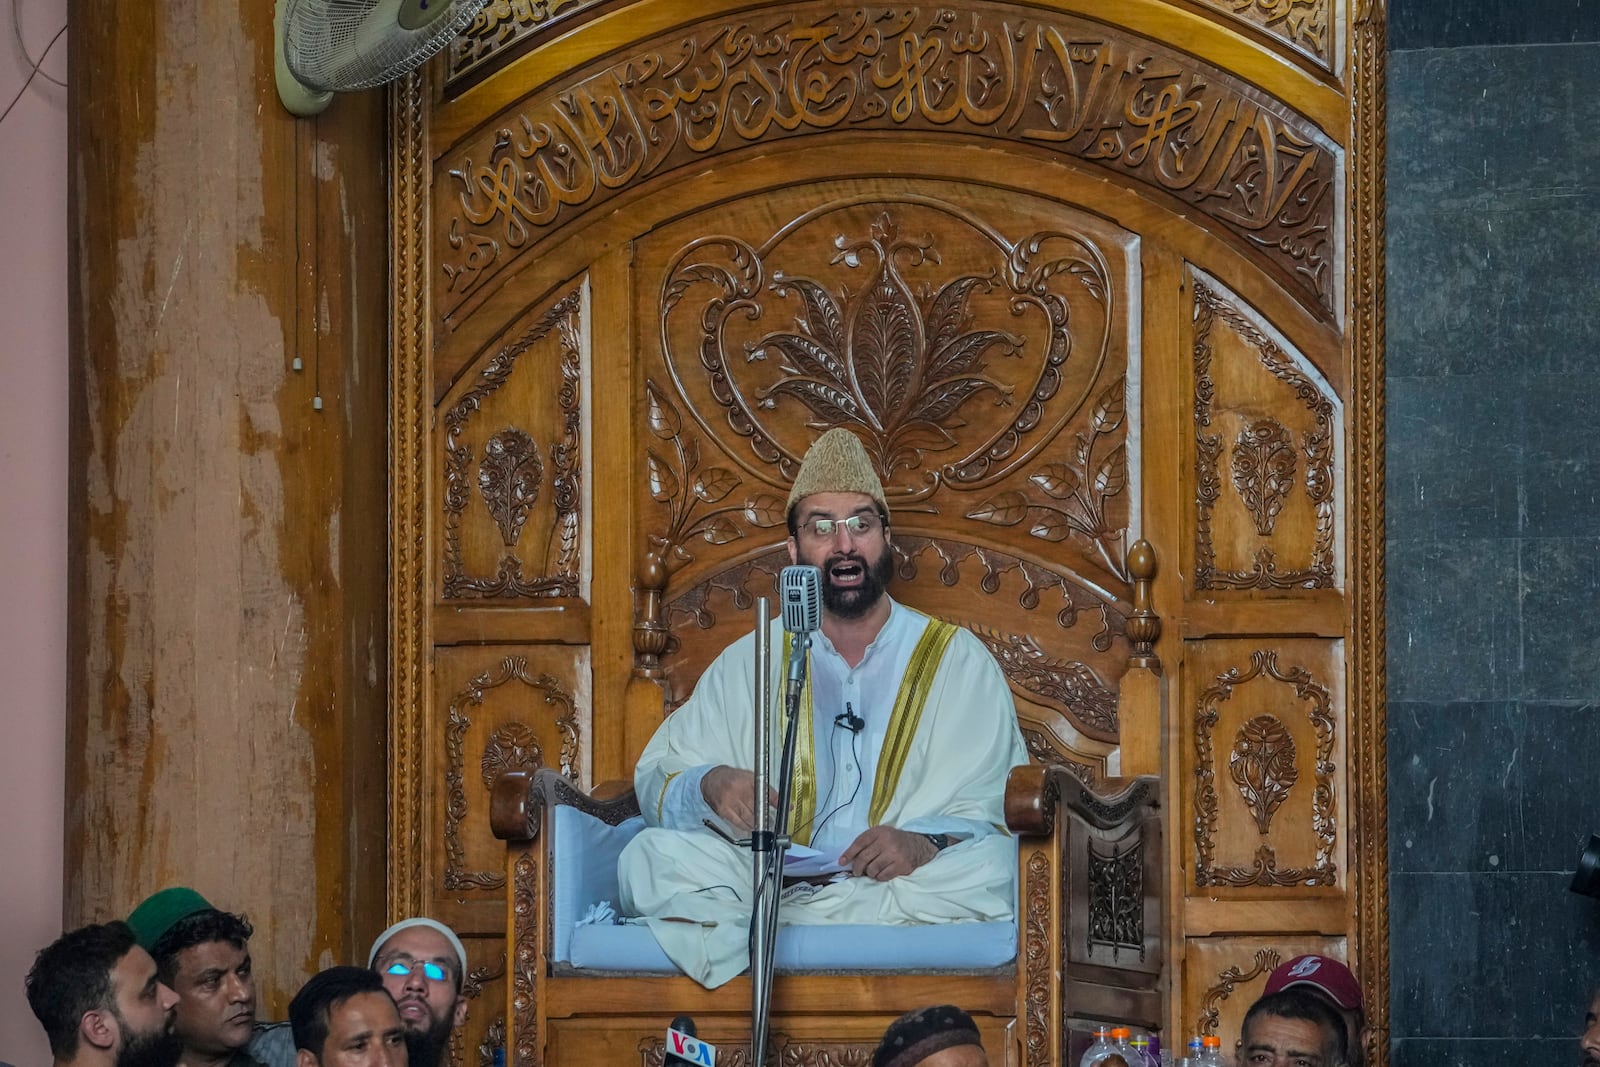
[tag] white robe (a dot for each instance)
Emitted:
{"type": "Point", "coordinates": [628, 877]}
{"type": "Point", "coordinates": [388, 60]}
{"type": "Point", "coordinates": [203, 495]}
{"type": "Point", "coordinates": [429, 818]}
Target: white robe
{"type": "Point", "coordinates": [695, 889]}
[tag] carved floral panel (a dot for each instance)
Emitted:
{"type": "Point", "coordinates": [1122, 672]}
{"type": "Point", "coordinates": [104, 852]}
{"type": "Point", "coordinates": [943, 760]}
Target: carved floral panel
{"type": "Point", "coordinates": [1267, 448]}
{"type": "Point", "coordinates": [499, 710]}
{"type": "Point", "coordinates": [1137, 110]}
{"type": "Point", "coordinates": [984, 371]}
{"type": "Point", "coordinates": [1263, 768]}
{"type": "Point", "coordinates": [512, 464]}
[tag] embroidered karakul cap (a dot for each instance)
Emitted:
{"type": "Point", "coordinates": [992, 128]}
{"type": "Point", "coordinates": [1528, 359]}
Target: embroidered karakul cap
{"type": "Point", "coordinates": [837, 462]}
{"type": "Point", "coordinates": [917, 1035]}
{"type": "Point", "coordinates": [1322, 973]}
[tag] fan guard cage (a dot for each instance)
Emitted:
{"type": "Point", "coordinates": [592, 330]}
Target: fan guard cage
{"type": "Point", "coordinates": [344, 45]}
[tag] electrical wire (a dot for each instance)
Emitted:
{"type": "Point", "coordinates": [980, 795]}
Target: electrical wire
{"type": "Point", "coordinates": [31, 74]}
{"type": "Point", "coordinates": [16, 28]}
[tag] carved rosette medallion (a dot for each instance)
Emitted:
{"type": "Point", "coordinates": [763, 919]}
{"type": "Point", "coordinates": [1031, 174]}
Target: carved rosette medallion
{"type": "Point", "coordinates": [1262, 475]}
{"type": "Point", "coordinates": [508, 479]}
{"type": "Point", "coordinates": [511, 746]}
{"type": "Point", "coordinates": [1263, 470]}
{"type": "Point", "coordinates": [1266, 960]}
{"type": "Point", "coordinates": [511, 473]}
{"type": "Point", "coordinates": [1264, 748]}
{"type": "Point", "coordinates": [1262, 766]}
{"type": "Point", "coordinates": [1133, 107]}
{"type": "Point", "coordinates": [1116, 899]}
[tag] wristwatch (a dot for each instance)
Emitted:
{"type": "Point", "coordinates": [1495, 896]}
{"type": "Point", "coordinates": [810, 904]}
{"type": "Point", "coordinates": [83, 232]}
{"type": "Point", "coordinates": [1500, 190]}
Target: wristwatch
{"type": "Point", "coordinates": [940, 841]}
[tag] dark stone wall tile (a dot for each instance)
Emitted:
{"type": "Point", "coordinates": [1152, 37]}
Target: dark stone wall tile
{"type": "Point", "coordinates": [1560, 452]}
{"type": "Point", "coordinates": [1485, 1052]}
{"type": "Point", "coordinates": [1453, 459]}
{"type": "Point", "coordinates": [1453, 628]}
{"type": "Point", "coordinates": [1455, 787]}
{"type": "Point", "coordinates": [1560, 586]}
{"type": "Point", "coordinates": [1459, 23]}
{"type": "Point", "coordinates": [1489, 955]}
{"type": "Point", "coordinates": [1476, 126]}
{"type": "Point", "coordinates": [1493, 290]}
{"type": "Point", "coordinates": [1561, 749]}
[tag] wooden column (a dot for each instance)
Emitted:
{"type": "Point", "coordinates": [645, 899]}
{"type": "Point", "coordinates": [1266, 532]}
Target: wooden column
{"type": "Point", "coordinates": [228, 635]}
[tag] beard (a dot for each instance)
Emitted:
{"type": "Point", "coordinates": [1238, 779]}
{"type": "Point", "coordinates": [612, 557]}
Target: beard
{"type": "Point", "coordinates": [157, 1048]}
{"type": "Point", "coordinates": [425, 1048]}
{"type": "Point", "coordinates": [854, 603]}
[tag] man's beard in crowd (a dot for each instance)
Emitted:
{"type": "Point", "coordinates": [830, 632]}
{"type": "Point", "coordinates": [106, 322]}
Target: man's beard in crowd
{"type": "Point", "coordinates": [158, 1048]}
{"type": "Point", "coordinates": [426, 1048]}
{"type": "Point", "coordinates": [855, 603]}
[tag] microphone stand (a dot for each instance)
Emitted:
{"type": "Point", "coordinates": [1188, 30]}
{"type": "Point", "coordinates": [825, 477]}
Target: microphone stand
{"type": "Point", "coordinates": [769, 850]}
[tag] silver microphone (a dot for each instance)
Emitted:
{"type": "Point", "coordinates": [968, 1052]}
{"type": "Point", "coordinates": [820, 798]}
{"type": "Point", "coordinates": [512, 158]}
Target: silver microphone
{"type": "Point", "coordinates": [800, 591]}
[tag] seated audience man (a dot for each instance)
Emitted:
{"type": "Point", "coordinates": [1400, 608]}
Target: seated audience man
{"type": "Point", "coordinates": [1292, 1028]}
{"type": "Point", "coordinates": [942, 1036]}
{"type": "Point", "coordinates": [1590, 1042]}
{"type": "Point", "coordinates": [1333, 982]}
{"type": "Point", "coordinates": [906, 735]}
{"type": "Point", "coordinates": [100, 1001]}
{"type": "Point", "coordinates": [421, 963]}
{"type": "Point", "coordinates": [204, 955]}
{"type": "Point", "coordinates": [343, 1017]}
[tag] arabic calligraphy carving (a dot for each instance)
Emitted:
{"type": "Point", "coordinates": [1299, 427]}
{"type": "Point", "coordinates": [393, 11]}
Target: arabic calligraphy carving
{"type": "Point", "coordinates": [1134, 107]}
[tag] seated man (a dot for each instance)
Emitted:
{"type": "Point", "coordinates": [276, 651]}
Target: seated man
{"type": "Point", "coordinates": [343, 1017]}
{"type": "Point", "coordinates": [1331, 980]}
{"type": "Point", "coordinates": [907, 733]}
{"type": "Point", "coordinates": [421, 963]}
{"type": "Point", "coordinates": [943, 1036]}
{"type": "Point", "coordinates": [1294, 1028]}
{"type": "Point", "coordinates": [204, 955]}
{"type": "Point", "coordinates": [97, 995]}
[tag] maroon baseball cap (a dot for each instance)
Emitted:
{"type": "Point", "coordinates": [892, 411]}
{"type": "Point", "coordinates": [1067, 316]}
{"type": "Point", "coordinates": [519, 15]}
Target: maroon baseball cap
{"type": "Point", "coordinates": [1322, 973]}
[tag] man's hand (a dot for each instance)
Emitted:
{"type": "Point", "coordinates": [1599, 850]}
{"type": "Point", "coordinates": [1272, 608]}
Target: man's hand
{"type": "Point", "coordinates": [732, 795]}
{"type": "Point", "coordinates": [884, 852]}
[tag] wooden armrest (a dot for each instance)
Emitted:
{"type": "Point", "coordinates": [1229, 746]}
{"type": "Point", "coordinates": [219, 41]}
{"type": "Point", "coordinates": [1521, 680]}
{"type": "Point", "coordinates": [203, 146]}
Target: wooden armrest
{"type": "Point", "coordinates": [519, 799]}
{"type": "Point", "coordinates": [1035, 792]}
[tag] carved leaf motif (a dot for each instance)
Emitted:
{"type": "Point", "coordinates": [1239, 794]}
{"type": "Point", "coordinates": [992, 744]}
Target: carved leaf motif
{"type": "Point", "coordinates": [721, 530]}
{"type": "Point", "coordinates": [1004, 509]}
{"type": "Point", "coordinates": [663, 482]}
{"type": "Point", "coordinates": [714, 484]}
{"type": "Point", "coordinates": [513, 747]}
{"type": "Point", "coordinates": [764, 511]}
{"type": "Point", "coordinates": [1112, 474]}
{"type": "Point", "coordinates": [509, 479]}
{"type": "Point", "coordinates": [1264, 470]}
{"type": "Point", "coordinates": [1109, 408]}
{"type": "Point", "coordinates": [661, 416]}
{"type": "Point", "coordinates": [1053, 526]}
{"type": "Point", "coordinates": [1057, 480]}
{"type": "Point", "coordinates": [1263, 766]}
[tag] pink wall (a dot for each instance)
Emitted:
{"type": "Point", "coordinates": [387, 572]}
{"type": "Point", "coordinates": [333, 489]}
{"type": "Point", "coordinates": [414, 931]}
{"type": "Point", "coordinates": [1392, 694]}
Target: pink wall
{"type": "Point", "coordinates": [33, 524]}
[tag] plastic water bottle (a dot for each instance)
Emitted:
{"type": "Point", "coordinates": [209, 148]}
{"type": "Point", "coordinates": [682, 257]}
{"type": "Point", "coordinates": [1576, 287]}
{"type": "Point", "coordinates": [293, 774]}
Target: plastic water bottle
{"type": "Point", "coordinates": [1096, 1053]}
{"type": "Point", "coordinates": [1146, 1056]}
{"type": "Point", "coordinates": [1121, 1047]}
{"type": "Point", "coordinates": [1192, 1056]}
{"type": "Point", "coordinates": [1213, 1051]}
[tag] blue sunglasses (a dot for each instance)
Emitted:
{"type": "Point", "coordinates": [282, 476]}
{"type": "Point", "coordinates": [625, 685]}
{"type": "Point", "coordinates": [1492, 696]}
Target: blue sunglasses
{"type": "Point", "coordinates": [430, 970]}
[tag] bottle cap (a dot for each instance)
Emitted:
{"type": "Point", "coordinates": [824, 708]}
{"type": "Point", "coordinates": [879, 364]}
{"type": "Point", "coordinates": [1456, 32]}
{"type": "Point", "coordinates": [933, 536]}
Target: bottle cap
{"type": "Point", "coordinates": [1121, 1032]}
{"type": "Point", "coordinates": [1101, 1033]}
{"type": "Point", "coordinates": [1212, 1041]}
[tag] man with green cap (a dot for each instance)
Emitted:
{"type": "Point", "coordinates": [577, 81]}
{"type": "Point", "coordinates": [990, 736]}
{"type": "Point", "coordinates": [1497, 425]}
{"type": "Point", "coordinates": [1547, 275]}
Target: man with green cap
{"type": "Point", "coordinates": [203, 953]}
{"type": "Point", "coordinates": [906, 735]}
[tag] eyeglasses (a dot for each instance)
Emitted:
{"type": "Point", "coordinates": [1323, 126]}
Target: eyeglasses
{"type": "Point", "coordinates": [432, 971]}
{"type": "Point", "coordinates": [854, 526]}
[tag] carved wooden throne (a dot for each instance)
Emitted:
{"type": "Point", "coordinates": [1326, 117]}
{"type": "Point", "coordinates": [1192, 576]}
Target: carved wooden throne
{"type": "Point", "coordinates": [1077, 275]}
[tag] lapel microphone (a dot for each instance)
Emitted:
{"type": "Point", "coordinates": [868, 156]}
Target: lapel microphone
{"type": "Point", "coordinates": [850, 720]}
